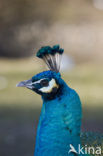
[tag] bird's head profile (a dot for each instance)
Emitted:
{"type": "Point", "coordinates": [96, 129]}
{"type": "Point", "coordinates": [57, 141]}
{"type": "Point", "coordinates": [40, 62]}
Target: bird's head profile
{"type": "Point", "coordinates": [60, 118]}
{"type": "Point", "coordinates": [46, 83]}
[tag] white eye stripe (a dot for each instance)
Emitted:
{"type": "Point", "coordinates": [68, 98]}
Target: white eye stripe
{"type": "Point", "coordinates": [51, 85]}
{"type": "Point", "coordinates": [38, 81]}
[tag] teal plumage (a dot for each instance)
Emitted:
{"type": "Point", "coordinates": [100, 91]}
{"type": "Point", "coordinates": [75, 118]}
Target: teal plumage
{"type": "Point", "coordinates": [60, 120]}
{"type": "Point", "coordinates": [59, 124]}
{"type": "Point", "coordinates": [49, 50]}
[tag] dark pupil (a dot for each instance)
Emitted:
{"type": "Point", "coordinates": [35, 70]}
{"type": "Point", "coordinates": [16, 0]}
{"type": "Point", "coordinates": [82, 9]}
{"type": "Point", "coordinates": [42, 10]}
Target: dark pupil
{"type": "Point", "coordinates": [44, 82]}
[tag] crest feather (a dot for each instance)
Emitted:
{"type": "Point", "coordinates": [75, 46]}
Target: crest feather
{"type": "Point", "coordinates": [51, 56]}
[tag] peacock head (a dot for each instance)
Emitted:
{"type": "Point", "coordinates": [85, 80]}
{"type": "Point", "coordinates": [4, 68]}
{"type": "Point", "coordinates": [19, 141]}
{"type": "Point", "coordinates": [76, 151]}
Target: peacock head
{"type": "Point", "coordinates": [46, 83]}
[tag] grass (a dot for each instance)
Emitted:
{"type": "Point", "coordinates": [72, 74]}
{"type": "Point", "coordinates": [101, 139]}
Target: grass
{"type": "Point", "coordinates": [20, 107]}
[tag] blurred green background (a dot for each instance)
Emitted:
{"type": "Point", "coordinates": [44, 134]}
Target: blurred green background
{"type": "Point", "coordinates": [25, 26]}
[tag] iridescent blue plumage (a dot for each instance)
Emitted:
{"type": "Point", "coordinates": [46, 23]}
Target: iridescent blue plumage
{"type": "Point", "coordinates": [60, 121]}
{"type": "Point", "coordinates": [46, 74]}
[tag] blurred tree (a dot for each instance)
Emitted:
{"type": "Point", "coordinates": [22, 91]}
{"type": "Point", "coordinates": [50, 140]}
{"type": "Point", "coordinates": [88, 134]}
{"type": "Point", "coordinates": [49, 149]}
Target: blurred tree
{"type": "Point", "coordinates": [27, 24]}
{"type": "Point", "coordinates": [18, 13]}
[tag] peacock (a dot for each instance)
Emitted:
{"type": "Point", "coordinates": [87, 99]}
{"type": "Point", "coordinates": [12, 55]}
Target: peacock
{"type": "Point", "coordinates": [59, 127]}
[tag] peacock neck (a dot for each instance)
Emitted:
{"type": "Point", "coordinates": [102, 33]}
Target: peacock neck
{"type": "Point", "coordinates": [52, 132]}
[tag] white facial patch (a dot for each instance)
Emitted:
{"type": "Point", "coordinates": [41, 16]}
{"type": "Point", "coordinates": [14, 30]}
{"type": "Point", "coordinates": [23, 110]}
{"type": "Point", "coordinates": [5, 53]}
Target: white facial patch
{"type": "Point", "coordinates": [49, 88]}
{"type": "Point", "coordinates": [37, 81]}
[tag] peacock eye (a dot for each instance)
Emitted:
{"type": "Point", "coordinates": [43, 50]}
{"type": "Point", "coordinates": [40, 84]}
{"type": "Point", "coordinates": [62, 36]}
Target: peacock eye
{"type": "Point", "coordinates": [44, 82]}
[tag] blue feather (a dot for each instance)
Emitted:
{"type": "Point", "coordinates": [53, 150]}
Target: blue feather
{"type": "Point", "coordinates": [60, 120]}
{"type": "Point", "coordinates": [59, 124]}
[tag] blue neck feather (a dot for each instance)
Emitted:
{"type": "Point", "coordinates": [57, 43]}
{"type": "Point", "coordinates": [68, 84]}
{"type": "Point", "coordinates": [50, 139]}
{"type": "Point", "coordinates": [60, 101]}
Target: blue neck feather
{"type": "Point", "coordinates": [59, 124]}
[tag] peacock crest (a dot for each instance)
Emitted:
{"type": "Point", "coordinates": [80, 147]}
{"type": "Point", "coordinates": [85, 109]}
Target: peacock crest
{"type": "Point", "coordinates": [51, 56]}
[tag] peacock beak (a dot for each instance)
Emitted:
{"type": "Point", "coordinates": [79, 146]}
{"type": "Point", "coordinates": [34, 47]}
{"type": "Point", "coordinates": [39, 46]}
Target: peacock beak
{"type": "Point", "coordinates": [26, 83]}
